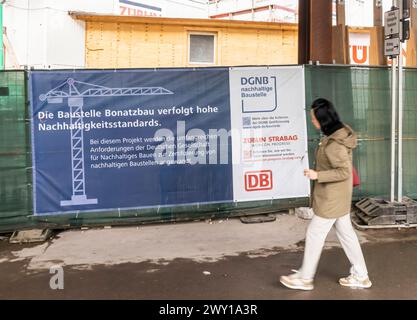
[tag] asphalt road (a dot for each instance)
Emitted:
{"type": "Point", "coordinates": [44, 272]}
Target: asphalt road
{"type": "Point", "coordinates": [392, 267]}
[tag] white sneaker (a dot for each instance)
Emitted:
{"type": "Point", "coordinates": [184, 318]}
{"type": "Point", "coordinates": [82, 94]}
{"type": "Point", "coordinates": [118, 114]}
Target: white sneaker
{"type": "Point", "coordinates": [355, 282]}
{"type": "Point", "coordinates": [294, 281]}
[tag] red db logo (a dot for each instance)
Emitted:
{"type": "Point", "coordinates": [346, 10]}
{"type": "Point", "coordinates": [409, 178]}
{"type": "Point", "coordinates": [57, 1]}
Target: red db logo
{"type": "Point", "coordinates": [258, 180]}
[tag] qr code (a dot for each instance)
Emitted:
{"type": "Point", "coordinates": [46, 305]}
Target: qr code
{"type": "Point", "coordinates": [247, 121]}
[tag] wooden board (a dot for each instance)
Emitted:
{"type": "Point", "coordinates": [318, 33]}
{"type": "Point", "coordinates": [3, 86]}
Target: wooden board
{"type": "Point", "coordinates": [142, 45]}
{"type": "Point", "coordinates": [340, 44]}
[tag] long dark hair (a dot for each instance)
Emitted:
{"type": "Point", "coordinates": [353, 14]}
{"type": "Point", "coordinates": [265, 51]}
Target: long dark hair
{"type": "Point", "coordinates": [327, 116]}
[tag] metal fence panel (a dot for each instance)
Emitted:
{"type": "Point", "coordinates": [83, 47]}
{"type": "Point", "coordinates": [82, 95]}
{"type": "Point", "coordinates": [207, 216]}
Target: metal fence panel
{"type": "Point", "coordinates": [362, 98]}
{"type": "Point", "coordinates": [361, 95]}
{"type": "Point", "coordinates": [15, 180]}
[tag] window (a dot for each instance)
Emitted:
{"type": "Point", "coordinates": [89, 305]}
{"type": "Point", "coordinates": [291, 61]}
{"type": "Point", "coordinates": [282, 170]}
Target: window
{"type": "Point", "coordinates": [202, 48]}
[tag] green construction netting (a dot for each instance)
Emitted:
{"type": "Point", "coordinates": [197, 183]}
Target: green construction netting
{"type": "Point", "coordinates": [15, 189]}
{"type": "Point", "coordinates": [361, 95]}
{"type": "Point", "coordinates": [363, 98]}
{"type": "Point", "coordinates": [410, 133]}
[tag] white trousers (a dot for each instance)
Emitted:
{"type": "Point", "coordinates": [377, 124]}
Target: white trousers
{"type": "Point", "coordinates": [316, 235]}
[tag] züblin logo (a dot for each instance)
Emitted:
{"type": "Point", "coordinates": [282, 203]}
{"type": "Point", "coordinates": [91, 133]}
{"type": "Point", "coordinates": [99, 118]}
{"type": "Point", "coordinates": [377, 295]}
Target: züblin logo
{"type": "Point", "coordinates": [254, 81]}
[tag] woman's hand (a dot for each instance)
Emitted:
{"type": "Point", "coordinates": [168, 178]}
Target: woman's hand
{"type": "Point", "coordinates": [311, 174]}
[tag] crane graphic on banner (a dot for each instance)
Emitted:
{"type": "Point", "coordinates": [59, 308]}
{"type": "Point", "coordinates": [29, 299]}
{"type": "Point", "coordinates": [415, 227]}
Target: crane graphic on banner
{"type": "Point", "coordinates": [75, 91]}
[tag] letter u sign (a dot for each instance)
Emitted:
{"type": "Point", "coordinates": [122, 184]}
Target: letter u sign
{"type": "Point", "coordinates": [363, 56]}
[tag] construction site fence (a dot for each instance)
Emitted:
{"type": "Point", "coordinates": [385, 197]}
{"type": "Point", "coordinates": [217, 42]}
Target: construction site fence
{"type": "Point", "coordinates": [362, 96]}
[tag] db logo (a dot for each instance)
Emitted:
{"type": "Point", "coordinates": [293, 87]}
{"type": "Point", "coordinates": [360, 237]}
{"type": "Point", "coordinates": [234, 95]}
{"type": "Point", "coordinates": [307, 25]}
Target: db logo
{"type": "Point", "coordinates": [258, 180]}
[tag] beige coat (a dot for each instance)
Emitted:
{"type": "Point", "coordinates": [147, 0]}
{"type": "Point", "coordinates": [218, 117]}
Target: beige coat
{"type": "Point", "coordinates": [332, 191]}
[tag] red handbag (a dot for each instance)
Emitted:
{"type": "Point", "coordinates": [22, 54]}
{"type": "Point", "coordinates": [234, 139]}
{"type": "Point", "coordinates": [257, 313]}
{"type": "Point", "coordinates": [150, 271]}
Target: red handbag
{"type": "Point", "coordinates": [356, 180]}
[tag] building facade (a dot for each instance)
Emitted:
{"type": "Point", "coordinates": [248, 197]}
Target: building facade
{"type": "Point", "coordinates": [41, 33]}
{"type": "Point", "coordinates": [139, 42]}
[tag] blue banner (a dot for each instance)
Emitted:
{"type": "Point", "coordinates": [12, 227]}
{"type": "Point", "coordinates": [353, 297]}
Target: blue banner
{"type": "Point", "coordinates": [130, 139]}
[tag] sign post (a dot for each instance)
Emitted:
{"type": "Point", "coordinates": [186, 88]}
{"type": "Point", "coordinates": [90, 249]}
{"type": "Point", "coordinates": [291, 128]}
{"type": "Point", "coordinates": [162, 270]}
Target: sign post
{"type": "Point", "coordinates": [397, 31]}
{"type": "Point", "coordinates": [392, 48]}
{"type": "Point", "coordinates": [404, 35]}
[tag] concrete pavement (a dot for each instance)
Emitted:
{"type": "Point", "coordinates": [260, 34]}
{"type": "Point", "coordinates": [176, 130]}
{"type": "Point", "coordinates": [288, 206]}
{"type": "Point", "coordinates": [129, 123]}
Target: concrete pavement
{"type": "Point", "coordinates": [221, 259]}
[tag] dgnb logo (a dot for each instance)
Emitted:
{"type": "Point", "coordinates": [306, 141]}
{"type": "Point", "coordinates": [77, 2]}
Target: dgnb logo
{"type": "Point", "coordinates": [258, 180]}
{"type": "Point", "coordinates": [57, 281]}
{"type": "Point", "coordinates": [254, 80]}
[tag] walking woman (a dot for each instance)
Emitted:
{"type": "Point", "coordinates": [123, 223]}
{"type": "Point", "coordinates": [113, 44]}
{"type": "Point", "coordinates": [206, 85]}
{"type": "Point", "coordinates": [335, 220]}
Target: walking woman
{"type": "Point", "coordinates": [331, 201]}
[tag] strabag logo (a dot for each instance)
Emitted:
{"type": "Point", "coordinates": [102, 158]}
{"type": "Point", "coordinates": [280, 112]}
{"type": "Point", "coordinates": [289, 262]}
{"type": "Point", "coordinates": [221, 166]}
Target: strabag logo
{"type": "Point", "coordinates": [258, 180]}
